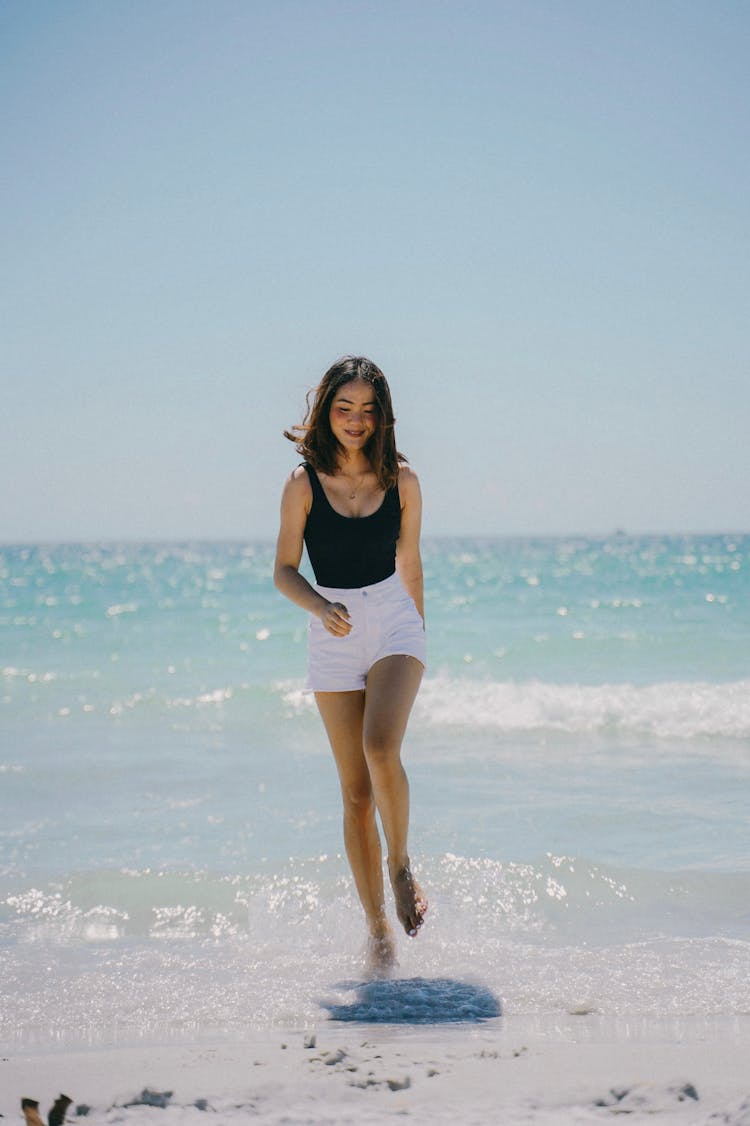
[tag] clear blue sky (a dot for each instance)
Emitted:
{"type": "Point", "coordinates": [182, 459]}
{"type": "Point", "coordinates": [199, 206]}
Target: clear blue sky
{"type": "Point", "coordinates": [532, 215]}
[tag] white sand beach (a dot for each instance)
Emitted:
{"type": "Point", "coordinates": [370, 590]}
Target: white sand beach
{"type": "Point", "coordinates": [567, 1070]}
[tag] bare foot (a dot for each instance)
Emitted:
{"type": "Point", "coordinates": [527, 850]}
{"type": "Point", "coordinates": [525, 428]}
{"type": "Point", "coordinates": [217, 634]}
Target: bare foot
{"type": "Point", "coordinates": [411, 904]}
{"type": "Point", "coordinates": [381, 955]}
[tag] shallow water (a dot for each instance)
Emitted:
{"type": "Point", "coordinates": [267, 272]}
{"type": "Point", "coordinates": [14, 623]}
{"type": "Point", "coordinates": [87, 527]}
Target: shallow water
{"type": "Point", "coordinates": [170, 843]}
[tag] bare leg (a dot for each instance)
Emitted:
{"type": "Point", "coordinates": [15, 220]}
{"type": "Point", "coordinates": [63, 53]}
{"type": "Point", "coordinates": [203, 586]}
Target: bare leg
{"type": "Point", "coordinates": [342, 714]}
{"type": "Point", "coordinates": [392, 686]}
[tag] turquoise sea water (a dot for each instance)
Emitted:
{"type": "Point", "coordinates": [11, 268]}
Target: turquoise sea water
{"type": "Point", "coordinates": [170, 842]}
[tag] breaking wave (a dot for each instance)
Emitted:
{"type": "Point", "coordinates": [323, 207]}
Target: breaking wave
{"type": "Point", "coordinates": [683, 710]}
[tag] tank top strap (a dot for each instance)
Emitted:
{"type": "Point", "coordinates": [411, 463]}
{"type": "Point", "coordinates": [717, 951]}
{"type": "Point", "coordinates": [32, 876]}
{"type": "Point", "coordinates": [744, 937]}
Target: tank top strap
{"type": "Point", "coordinates": [317, 488]}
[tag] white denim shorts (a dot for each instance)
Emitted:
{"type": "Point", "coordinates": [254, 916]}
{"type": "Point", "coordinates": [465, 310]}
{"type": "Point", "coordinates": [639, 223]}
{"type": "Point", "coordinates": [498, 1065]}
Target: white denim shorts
{"type": "Point", "coordinates": [385, 623]}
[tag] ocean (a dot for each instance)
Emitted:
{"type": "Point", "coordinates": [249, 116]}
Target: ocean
{"type": "Point", "coordinates": [171, 862]}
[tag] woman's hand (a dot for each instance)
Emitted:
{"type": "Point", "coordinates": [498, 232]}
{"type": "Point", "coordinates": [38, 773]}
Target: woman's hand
{"type": "Point", "coordinates": [335, 618]}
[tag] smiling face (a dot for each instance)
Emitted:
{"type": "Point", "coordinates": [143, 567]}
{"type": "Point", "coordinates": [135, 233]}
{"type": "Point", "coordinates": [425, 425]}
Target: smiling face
{"type": "Point", "coordinates": [350, 416]}
{"type": "Point", "coordinates": [354, 415]}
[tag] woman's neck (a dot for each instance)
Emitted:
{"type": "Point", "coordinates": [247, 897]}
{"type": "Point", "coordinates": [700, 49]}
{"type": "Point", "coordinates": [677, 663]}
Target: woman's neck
{"type": "Point", "coordinates": [355, 466]}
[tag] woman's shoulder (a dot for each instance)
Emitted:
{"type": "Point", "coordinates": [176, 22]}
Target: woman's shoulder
{"type": "Point", "coordinates": [408, 481]}
{"type": "Point", "coordinates": [407, 474]}
{"type": "Point", "coordinates": [297, 486]}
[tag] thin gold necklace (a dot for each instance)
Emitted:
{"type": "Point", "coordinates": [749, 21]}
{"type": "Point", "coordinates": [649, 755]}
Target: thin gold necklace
{"type": "Point", "coordinates": [357, 487]}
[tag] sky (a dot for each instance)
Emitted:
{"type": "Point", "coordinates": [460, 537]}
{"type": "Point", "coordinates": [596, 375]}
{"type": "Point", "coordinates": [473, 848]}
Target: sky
{"type": "Point", "coordinates": [534, 216]}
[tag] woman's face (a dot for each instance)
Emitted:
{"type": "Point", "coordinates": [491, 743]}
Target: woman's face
{"type": "Point", "coordinates": [354, 415]}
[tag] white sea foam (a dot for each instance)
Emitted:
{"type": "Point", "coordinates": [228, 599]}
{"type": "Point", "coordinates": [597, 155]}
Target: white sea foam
{"type": "Point", "coordinates": [679, 709]}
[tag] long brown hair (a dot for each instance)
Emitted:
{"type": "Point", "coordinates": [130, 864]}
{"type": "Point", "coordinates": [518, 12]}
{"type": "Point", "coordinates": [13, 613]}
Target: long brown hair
{"type": "Point", "coordinates": [314, 438]}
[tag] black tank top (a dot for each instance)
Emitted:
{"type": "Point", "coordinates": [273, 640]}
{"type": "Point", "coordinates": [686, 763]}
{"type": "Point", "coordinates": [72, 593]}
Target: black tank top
{"type": "Point", "coordinates": [351, 551]}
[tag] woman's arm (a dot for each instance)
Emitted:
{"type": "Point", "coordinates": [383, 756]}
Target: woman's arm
{"type": "Point", "coordinates": [295, 507]}
{"type": "Point", "coordinates": [408, 558]}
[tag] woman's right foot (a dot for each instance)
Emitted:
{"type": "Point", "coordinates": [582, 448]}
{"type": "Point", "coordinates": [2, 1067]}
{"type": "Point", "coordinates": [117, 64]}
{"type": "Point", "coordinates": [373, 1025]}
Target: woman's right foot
{"type": "Point", "coordinates": [381, 954]}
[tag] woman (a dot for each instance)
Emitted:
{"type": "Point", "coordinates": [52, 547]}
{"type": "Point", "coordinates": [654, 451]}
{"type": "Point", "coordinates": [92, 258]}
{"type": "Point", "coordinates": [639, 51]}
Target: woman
{"type": "Point", "coordinates": [356, 505]}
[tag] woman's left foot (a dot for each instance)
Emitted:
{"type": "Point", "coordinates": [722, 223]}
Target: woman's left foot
{"type": "Point", "coordinates": [411, 904]}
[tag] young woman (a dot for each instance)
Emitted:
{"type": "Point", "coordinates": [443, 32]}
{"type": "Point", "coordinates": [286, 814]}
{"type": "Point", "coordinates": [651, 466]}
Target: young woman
{"type": "Point", "coordinates": [356, 505]}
